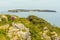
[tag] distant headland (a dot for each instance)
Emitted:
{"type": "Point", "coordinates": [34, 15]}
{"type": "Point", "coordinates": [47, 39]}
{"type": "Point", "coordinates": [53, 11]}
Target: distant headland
{"type": "Point", "coordinates": [24, 10]}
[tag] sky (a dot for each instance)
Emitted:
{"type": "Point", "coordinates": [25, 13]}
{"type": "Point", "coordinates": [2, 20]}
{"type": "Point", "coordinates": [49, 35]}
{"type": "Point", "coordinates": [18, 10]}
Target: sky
{"type": "Point", "coordinates": [30, 4]}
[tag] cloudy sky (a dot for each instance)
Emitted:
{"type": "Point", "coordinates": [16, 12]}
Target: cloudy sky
{"type": "Point", "coordinates": [30, 4]}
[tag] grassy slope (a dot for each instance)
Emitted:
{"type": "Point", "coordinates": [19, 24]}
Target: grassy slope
{"type": "Point", "coordinates": [36, 26]}
{"type": "Point", "coordinates": [34, 23]}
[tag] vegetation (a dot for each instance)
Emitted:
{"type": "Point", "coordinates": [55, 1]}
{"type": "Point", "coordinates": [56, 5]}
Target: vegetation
{"type": "Point", "coordinates": [39, 28]}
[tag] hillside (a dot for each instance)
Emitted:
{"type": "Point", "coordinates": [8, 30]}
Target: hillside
{"type": "Point", "coordinates": [31, 28]}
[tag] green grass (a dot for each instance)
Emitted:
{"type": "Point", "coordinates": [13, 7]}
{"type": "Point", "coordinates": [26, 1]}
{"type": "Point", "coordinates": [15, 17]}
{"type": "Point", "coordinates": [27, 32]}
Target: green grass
{"type": "Point", "coordinates": [35, 25]}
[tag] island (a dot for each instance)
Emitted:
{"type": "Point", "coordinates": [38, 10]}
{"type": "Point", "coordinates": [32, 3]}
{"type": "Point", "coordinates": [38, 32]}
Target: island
{"type": "Point", "coordinates": [25, 10]}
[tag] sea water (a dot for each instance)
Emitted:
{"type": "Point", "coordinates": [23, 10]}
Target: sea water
{"type": "Point", "coordinates": [51, 17]}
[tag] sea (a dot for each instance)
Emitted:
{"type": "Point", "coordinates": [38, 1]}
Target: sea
{"type": "Point", "coordinates": [51, 17]}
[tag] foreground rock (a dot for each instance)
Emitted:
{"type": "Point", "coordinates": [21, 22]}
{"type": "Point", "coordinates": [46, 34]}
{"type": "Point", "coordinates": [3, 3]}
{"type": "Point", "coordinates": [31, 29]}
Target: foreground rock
{"type": "Point", "coordinates": [19, 32]}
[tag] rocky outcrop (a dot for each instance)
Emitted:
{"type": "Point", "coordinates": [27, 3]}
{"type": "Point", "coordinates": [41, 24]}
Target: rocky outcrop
{"type": "Point", "coordinates": [53, 36]}
{"type": "Point", "coordinates": [19, 32]}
